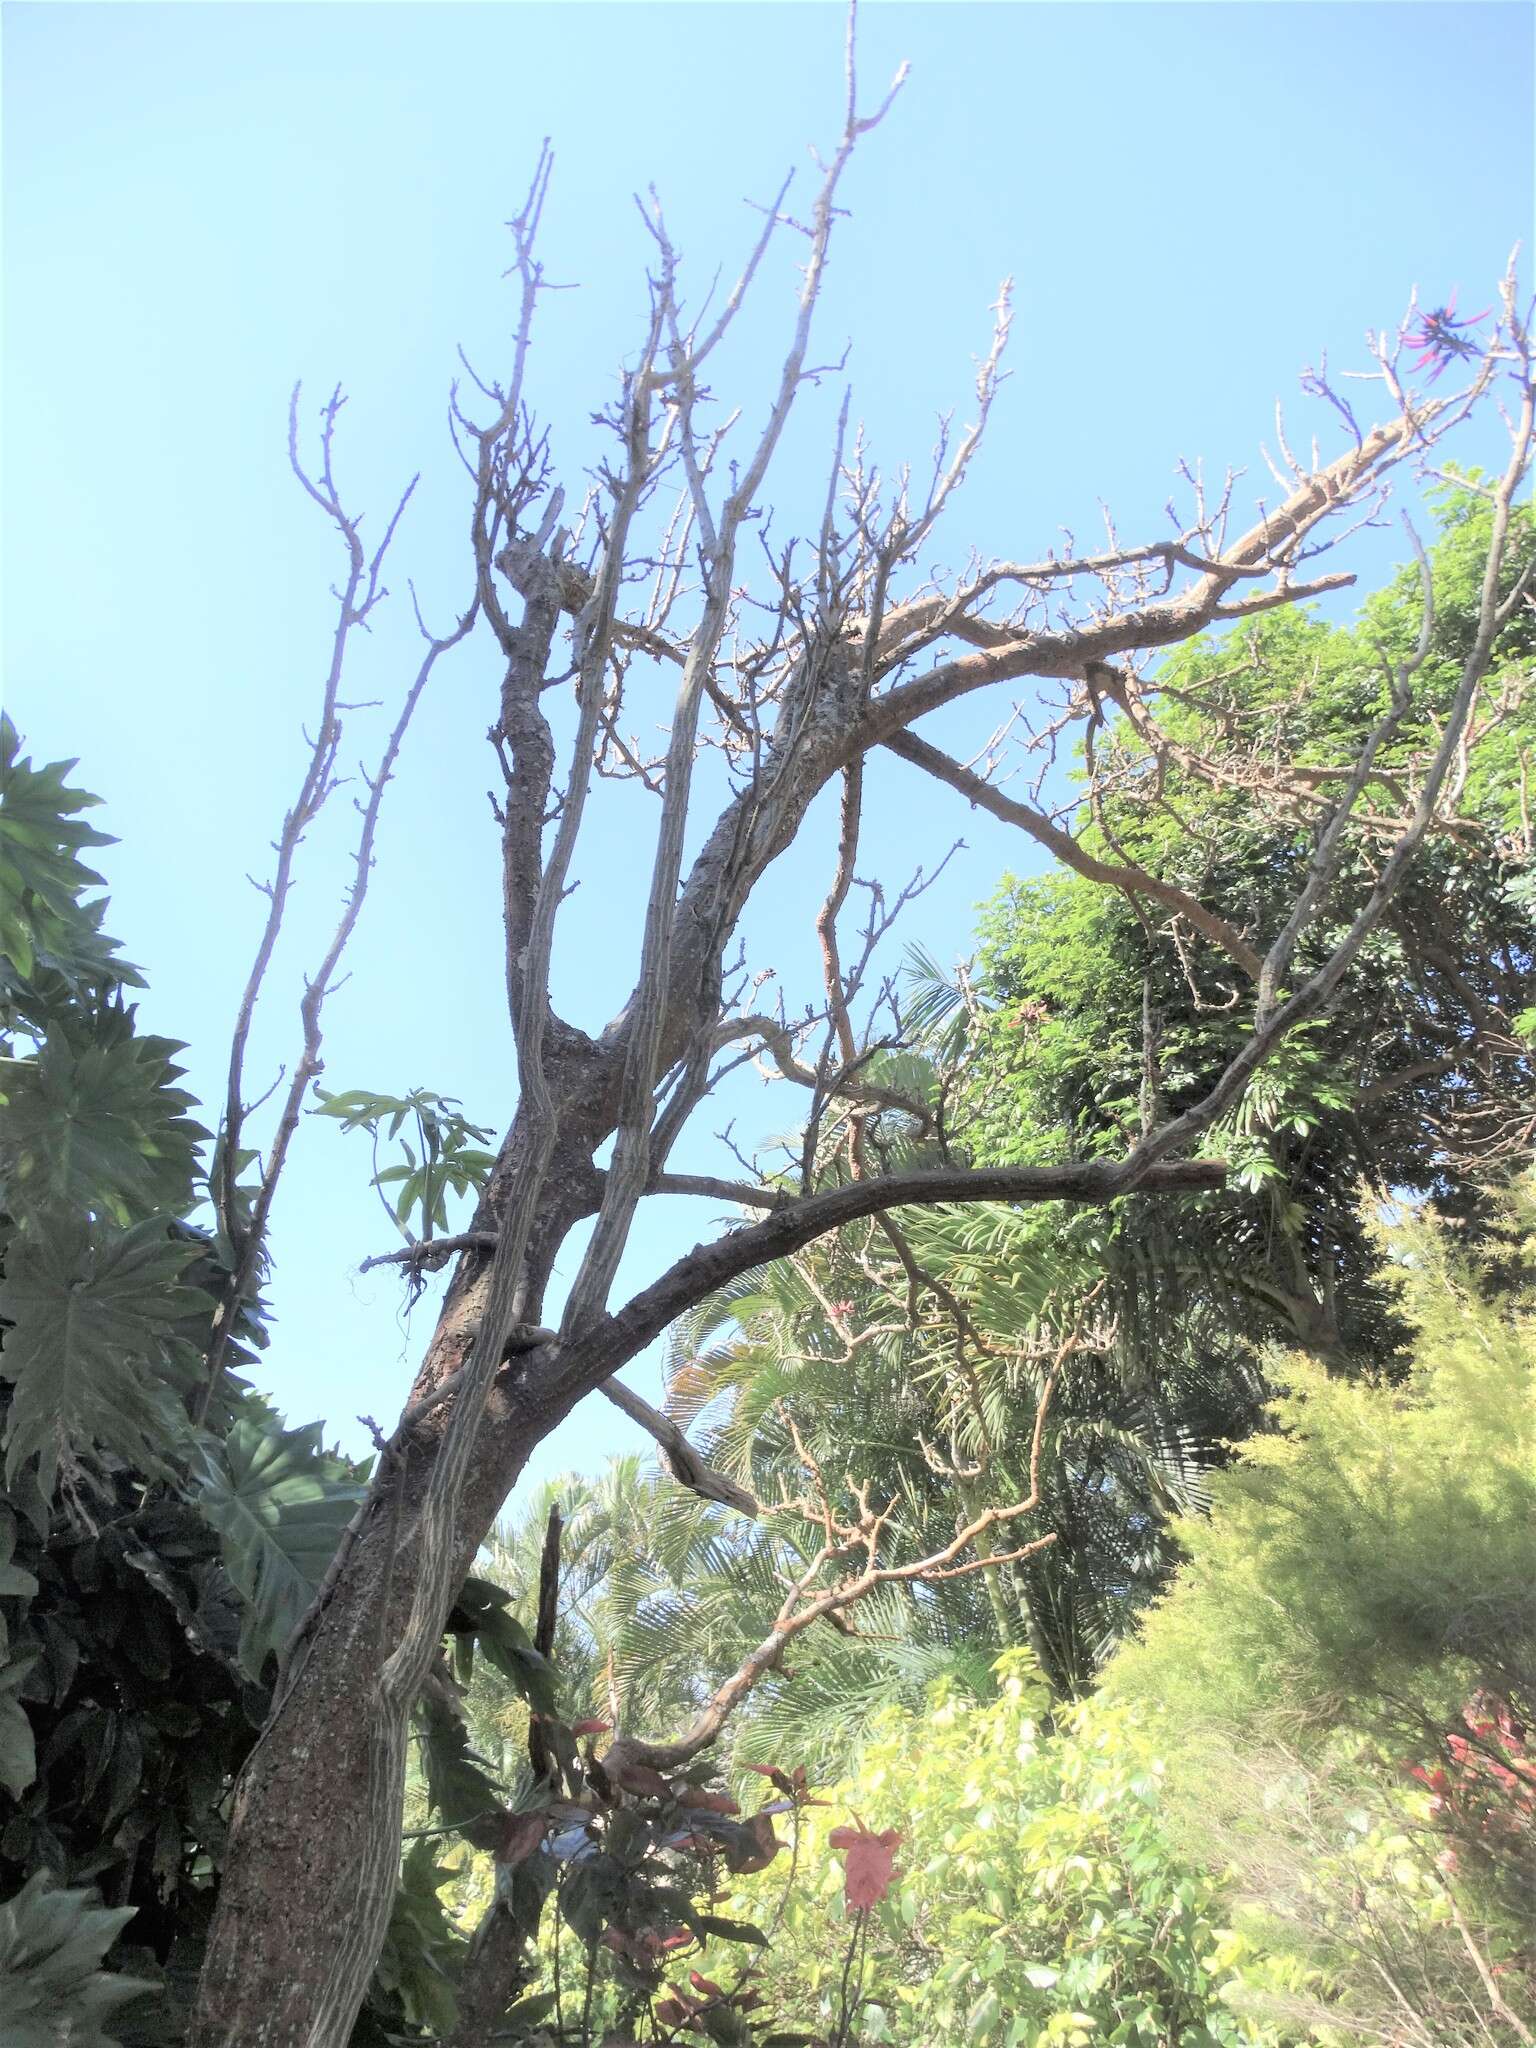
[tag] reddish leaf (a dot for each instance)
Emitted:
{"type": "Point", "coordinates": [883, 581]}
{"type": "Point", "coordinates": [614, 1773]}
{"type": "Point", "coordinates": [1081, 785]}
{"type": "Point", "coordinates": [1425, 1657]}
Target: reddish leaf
{"type": "Point", "coordinates": [869, 1864]}
{"type": "Point", "coordinates": [639, 1778]}
{"type": "Point", "coordinates": [623, 1944]}
{"type": "Point", "coordinates": [703, 1984]}
{"type": "Point", "coordinates": [521, 1834]}
{"type": "Point", "coordinates": [757, 1852]}
{"type": "Point", "coordinates": [705, 1802]}
{"type": "Point", "coordinates": [591, 1727]}
{"type": "Point", "coordinates": [778, 1779]}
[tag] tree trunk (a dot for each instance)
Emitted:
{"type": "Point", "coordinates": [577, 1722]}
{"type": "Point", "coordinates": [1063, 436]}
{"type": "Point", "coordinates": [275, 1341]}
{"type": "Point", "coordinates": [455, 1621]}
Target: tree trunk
{"type": "Point", "coordinates": [1004, 1616]}
{"type": "Point", "coordinates": [494, 1973]}
{"type": "Point", "coordinates": [299, 1894]}
{"type": "Point", "coordinates": [312, 1861]}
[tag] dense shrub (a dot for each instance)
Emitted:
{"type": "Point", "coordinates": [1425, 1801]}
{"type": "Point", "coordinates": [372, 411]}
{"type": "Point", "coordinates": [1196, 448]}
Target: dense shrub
{"type": "Point", "coordinates": [1346, 1668]}
{"type": "Point", "coordinates": [1037, 1898]}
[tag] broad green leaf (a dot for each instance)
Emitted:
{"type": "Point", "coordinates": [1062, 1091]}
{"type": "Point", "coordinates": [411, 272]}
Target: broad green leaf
{"type": "Point", "coordinates": [733, 1930]}
{"type": "Point", "coordinates": [91, 1307]}
{"type": "Point", "coordinates": [461, 1790]}
{"type": "Point", "coordinates": [279, 1504]}
{"type": "Point", "coordinates": [16, 1583]}
{"type": "Point", "coordinates": [18, 1752]}
{"type": "Point", "coordinates": [422, 1940]}
{"type": "Point", "coordinates": [481, 1610]}
{"type": "Point", "coordinates": [52, 1986]}
{"type": "Point", "coordinates": [99, 1126]}
{"type": "Point", "coordinates": [41, 875]}
{"type": "Point", "coordinates": [984, 2016]}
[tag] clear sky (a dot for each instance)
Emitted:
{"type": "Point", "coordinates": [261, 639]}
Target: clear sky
{"type": "Point", "coordinates": [204, 202]}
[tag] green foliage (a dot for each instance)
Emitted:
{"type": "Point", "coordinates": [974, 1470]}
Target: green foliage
{"type": "Point", "coordinates": [52, 1988]}
{"type": "Point", "coordinates": [1346, 1668]}
{"type": "Point", "coordinates": [423, 1948]}
{"type": "Point", "coordinates": [95, 1122]}
{"type": "Point", "coordinates": [460, 1790]}
{"type": "Point", "coordinates": [147, 1565]}
{"type": "Point", "coordinates": [482, 1617]}
{"type": "Point", "coordinates": [661, 1594]}
{"type": "Point", "coordinates": [447, 1158]}
{"type": "Point", "coordinates": [46, 930]}
{"type": "Point", "coordinates": [134, 1713]}
{"type": "Point", "coordinates": [1378, 1549]}
{"type": "Point", "coordinates": [90, 1308]}
{"type": "Point", "coordinates": [279, 1504]}
{"type": "Point", "coordinates": [607, 1871]}
{"type": "Point", "coordinates": [1037, 1900]}
{"type": "Point", "coordinates": [1093, 1013]}
{"type": "Point", "coordinates": [936, 1418]}
{"type": "Point", "coordinates": [18, 1750]}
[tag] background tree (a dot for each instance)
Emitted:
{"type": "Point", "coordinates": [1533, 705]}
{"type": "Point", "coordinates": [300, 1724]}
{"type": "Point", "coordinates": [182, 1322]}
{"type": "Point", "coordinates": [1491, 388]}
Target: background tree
{"type": "Point", "coordinates": [1093, 1010]}
{"type": "Point", "coordinates": [1356, 1629]}
{"type": "Point", "coordinates": [1105, 1007]}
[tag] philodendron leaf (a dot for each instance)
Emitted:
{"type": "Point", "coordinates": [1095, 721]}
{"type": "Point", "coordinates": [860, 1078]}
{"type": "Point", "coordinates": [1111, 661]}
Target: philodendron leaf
{"type": "Point", "coordinates": [460, 1788]}
{"type": "Point", "coordinates": [481, 1610]}
{"type": "Point", "coordinates": [40, 841]}
{"type": "Point", "coordinates": [279, 1504]}
{"type": "Point", "coordinates": [52, 1986]}
{"type": "Point", "coordinates": [90, 1307]}
{"type": "Point", "coordinates": [18, 1750]}
{"type": "Point", "coordinates": [99, 1125]}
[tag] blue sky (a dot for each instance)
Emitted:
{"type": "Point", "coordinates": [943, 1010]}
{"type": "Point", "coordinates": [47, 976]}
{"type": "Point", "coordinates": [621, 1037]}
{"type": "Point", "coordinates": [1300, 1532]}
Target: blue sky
{"type": "Point", "coordinates": [204, 202]}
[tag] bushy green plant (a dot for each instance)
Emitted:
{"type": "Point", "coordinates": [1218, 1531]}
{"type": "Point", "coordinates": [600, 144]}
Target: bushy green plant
{"type": "Point", "coordinates": [1038, 1899]}
{"type": "Point", "coordinates": [1097, 1009]}
{"type": "Point", "coordinates": [1346, 1667]}
{"type": "Point", "coordinates": [1375, 1558]}
{"type": "Point", "coordinates": [161, 1531]}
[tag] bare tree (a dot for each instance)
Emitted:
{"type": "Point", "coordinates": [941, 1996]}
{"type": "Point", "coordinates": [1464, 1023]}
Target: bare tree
{"type": "Point", "coordinates": [839, 654]}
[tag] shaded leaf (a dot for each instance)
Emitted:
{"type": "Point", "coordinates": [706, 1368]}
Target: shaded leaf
{"type": "Point", "coordinates": [91, 1306]}
{"type": "Point", "coordinates": [279, 1504]}
{"type": "Point", "coordinates": [52, 1987]}
{"type": "Point", "coordinates": [99, 1126]}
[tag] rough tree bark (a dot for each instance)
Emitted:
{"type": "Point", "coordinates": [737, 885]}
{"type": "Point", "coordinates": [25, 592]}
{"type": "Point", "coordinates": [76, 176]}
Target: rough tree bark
{"type": "Point", "coordinates": [843, 669]}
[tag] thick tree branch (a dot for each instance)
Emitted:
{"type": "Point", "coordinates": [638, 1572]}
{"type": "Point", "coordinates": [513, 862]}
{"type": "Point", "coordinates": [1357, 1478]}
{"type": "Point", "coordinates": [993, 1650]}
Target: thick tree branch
{"type": "Point", "coordinates": [709, 1184]}
{"type": "Point", "coordinates": [688, 1468]}
{"type": "Point", "coordinates": [622, 1336]}
{"type": "Point", "coordinates": [1135, 880]}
